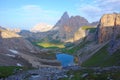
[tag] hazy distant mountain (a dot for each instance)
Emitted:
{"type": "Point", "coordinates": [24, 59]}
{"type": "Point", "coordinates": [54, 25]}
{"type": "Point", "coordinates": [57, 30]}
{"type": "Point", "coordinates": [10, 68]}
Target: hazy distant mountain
{"type": "Point", "coordinates": [17, 30]}
{"type": "Point", "coordinates": [1, 28]}
{"type": "Point", "coordinates": [94, 23]}
{"type": "Point", "coordinates": [42, 27]}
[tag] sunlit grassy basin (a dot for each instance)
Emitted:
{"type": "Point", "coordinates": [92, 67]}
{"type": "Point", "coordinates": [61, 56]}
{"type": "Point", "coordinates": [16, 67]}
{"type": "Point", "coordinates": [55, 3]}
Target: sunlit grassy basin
{"type": "Point", "coordinates": [48, 44]}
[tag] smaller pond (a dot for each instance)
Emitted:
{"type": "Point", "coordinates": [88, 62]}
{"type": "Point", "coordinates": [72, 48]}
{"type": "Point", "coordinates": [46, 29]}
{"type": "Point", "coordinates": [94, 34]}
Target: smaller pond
{"type": "Point", "coordinates": [65, 59]}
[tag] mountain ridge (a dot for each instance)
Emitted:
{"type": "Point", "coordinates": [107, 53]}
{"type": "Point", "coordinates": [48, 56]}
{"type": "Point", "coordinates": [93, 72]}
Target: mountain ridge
{"type": "Point", "coordinates": [16, 50]}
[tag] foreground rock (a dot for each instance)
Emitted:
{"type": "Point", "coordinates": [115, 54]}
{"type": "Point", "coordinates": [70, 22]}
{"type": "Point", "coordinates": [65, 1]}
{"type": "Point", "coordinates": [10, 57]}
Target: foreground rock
{"type": "Point", "coordinates": [48, 73]}
{"type": "Point", "coordinates": [45, 73]}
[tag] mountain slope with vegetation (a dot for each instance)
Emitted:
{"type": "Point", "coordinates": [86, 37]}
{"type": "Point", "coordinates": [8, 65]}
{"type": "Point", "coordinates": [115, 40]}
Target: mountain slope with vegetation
{"type": "Point", "coordinates": [102, 58]}
{"type": "Point", "coordinates": [107, 30]}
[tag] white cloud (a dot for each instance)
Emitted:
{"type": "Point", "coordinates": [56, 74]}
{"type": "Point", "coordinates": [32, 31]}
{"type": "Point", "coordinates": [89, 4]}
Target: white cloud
{"type": "Point", "coordinates": [95, 9]}
{"type": "Point", "coordinates": [29, 15]}
{"type": "Point", "coordinates": [31, 7]}
{"type": "Point", "coordinates": [36, 10]}
{"type": "Point", "coordinates": [90, 9]}
{"type": "Point", "coordinates": [36, 13]}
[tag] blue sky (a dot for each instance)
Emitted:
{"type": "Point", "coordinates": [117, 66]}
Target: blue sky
{"type": "Point", "coordinates": [25, 14]}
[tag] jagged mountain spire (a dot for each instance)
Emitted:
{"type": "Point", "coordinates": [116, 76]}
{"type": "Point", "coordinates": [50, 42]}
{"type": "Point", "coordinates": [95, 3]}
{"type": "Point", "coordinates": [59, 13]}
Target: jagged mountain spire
{"type": "Point", "coordinates": [62, 20]}
{"type": "Point", "coordinates": [65, 16]}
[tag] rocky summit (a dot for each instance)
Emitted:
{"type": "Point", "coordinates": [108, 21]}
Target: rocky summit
{"type": "Point", "coordinates": [67, 26]}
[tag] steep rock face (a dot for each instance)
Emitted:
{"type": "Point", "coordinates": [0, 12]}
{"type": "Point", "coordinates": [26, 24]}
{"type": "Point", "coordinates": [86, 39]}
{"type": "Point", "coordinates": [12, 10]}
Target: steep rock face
{"type": "Point", "coordinates": [62, 21]}
{"type": "Point", "coordinates": [67, 26]}
{"type": "Point", "coordinates": [109, 25]}
{"type": "Point", "coordinates": [109, 30]}
{"type": "Point", "coordinates": [80, 34]}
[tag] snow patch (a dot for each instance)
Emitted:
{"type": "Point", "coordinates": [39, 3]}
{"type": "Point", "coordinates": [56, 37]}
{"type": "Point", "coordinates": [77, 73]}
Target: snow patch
{"type": "Point", "coordinates": [35, 76]}
{"type": "Point", "coordinates": [13, 51]}
{"type": "Point", "coordinates": [10, 55]}
{"type": "Point", "coordinates": [18, 64]}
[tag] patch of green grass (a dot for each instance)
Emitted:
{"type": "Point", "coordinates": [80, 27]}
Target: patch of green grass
{"type": "Point", "coordinates": [98, 58]}
{"type": "Point", "coordinates": [49, 45]}
{"type": "Point", "coordinates": [103, 58]}
{"type": "Point", "coordinates": [86, 27]}
{"type": "Point", "coordinates": [92, 29]}
{"type": "Point", "coordinates": [76, 48]}
{"type": "Point", "coordinates": [6, 71]}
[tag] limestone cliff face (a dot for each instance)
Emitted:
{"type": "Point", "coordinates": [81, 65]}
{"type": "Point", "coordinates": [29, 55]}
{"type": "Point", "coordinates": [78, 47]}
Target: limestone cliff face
{"type": "Point", "coordinates": [109, 30]}
{"type": "Point", "coordinates": [79, 35]}
{"type": "Point", "coordinates": [108, 27]}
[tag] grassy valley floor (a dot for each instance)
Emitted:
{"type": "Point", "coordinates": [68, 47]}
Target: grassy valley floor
{"type": "Point", "coordinates": [49, 45]}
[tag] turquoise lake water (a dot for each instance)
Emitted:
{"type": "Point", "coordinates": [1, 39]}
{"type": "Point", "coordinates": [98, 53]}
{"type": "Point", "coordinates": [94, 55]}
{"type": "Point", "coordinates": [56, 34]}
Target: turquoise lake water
{"type": "Point", "coordinates": [65, 59]}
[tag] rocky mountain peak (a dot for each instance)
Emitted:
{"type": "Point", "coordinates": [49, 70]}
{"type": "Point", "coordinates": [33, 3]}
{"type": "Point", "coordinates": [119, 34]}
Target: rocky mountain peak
{"type": "Point", "coordinates": [62, 20]}
{"type": "Point", "coordinates": [65, 15]}
{"type": "Point", "coordinates": [67, 26]}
